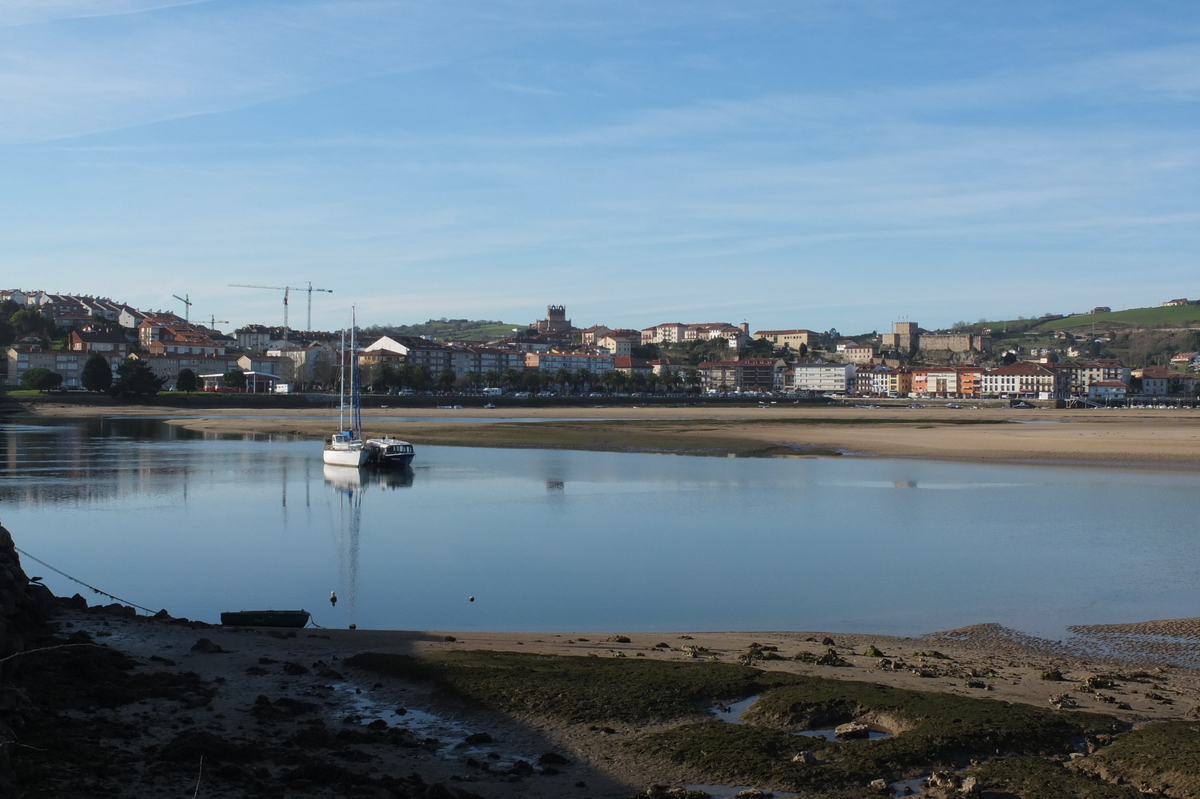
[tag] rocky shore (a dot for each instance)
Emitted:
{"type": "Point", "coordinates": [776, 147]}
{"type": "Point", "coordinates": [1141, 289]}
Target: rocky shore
{"type": "Point", "coordinates": [100, 701]}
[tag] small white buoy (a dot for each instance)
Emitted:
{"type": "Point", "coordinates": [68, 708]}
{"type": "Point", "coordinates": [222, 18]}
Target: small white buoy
{"type": "Point", "coordinates": [333, 599]}
{"type": "Point", "coordinates": [471, 599]}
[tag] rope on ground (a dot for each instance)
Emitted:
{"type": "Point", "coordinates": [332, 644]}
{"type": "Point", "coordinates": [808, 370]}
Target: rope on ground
{"type": "Point", "coordinates": [85, 585]}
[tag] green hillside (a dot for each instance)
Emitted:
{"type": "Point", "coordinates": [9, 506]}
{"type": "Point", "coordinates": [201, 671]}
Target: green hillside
{"type": "Point", "coordinates": [1150, 318]}
{"type": "Point", "coordinates": [1173, 316]}
{"type": "Point", "coordinates": [454, 329]}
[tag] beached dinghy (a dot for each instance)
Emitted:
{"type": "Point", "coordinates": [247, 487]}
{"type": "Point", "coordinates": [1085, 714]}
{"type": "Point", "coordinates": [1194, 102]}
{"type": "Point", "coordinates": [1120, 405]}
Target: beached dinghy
{"type": "Point", "coordinates": [265, 618]}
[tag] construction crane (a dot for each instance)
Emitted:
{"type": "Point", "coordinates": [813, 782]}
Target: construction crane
{"type": "Point", "coordinates": [287, 290]}
{"type": "Point", "coordinates": [213, 321]}
{"type": "Point", "coordinates": [187, 305]}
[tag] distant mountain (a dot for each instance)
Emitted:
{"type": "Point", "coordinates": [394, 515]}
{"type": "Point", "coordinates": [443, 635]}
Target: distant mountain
{"type": "Point", "coordinates": [452, 329]}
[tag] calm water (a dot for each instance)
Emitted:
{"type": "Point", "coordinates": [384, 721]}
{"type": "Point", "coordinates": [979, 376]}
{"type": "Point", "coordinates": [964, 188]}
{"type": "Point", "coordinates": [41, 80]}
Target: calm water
{"type": "Point", "coordinates": [580, 541]}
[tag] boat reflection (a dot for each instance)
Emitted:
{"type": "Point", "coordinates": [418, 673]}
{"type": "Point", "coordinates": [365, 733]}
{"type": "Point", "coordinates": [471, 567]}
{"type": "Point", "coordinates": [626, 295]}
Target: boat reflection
{"type": "Point", "coordinates": [350, 478]}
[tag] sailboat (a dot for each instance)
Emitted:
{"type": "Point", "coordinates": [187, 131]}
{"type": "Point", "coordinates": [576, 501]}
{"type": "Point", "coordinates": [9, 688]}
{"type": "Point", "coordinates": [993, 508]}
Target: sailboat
{"type": "Point", "coordinates": [346, 447]}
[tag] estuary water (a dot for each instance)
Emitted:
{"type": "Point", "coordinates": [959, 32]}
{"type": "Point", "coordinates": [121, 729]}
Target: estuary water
{"type": "Point", "coordinates": [560, 541]}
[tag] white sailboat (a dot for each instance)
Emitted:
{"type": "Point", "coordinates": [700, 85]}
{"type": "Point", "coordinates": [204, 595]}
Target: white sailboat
{"type": "Point", "coordinates": [346, 447]}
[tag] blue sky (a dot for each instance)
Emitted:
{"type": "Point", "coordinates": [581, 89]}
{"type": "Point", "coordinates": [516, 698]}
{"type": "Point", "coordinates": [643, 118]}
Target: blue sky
{"type": "Point", "coordinates": [788, 164]}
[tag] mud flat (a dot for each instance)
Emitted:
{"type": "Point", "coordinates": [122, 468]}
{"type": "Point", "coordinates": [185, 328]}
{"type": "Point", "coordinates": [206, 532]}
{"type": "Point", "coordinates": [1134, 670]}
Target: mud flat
{"type": "Point", "coordinates": [1128, 437]}
{"type": "Point", "coordinates": [320, 712]}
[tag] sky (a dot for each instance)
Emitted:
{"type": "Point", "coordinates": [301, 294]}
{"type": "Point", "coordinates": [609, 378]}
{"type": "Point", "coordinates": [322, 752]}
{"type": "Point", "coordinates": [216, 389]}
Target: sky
{"type": "Point", "coordinates": [803, 164]}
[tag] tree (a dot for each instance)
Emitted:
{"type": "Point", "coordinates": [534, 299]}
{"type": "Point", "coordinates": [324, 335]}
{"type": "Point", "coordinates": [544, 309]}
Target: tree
{"type": "Point", "coordinates": [422, 378]}
{"type": "Point", "coordinates": [96, 374]}
{"type": "Point", "coordinates": [135, 379]}
{"type": "Point", "coordinates": [446, 378]}
{"type": "Point", "coordinates": [39, 379]}
{"type": "Point", "coordinates": [30, 320]}
{"type": "Point", "coordinates": [513, 378]}
{"type": "Point", "coordinates": [186, 381]}
{"type": "Point", "coordinates": [234, 378]}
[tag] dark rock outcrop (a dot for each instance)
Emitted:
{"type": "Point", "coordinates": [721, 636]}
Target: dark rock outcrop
{"type": "Point", "coordinates": [24, 608]}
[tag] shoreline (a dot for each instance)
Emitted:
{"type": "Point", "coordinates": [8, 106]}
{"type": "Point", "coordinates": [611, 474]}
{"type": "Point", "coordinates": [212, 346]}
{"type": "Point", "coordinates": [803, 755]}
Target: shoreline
{"type": "Point", "coordinates": [1127, 438]}
{"type": "Point", "coordinates": [229, 690]}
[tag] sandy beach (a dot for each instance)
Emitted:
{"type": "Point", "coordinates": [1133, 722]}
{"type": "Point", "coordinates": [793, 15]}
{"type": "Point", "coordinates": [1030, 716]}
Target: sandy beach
{"type": "Point", "coordinates": [1131, 437]}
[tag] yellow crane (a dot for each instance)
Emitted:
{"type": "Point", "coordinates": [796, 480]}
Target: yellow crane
{"type": "Point", "coordinates": [286, 291]}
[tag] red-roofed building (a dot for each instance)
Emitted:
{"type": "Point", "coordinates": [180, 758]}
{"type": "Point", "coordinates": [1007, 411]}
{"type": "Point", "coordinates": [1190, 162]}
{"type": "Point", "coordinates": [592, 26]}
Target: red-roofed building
{"type": "Point", "coordinates": [1025, 379]}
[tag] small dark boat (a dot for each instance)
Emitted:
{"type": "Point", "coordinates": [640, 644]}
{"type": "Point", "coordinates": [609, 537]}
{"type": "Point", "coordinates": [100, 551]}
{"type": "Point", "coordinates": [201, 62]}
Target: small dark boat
{"type": "Point", "coordinates": [265, 618]}
{"type": "Point", "coordinates": [389, 453]}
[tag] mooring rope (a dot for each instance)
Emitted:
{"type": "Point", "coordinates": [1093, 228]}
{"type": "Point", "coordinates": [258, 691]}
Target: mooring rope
{"type": "Point", "coordinates": [85, 585]}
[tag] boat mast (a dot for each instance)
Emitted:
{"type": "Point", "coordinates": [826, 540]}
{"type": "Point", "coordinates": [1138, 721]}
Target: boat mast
{"type": "Point", "coordinates": [355, 392]}
{"type": "Point", "coordinates": [342, 384]}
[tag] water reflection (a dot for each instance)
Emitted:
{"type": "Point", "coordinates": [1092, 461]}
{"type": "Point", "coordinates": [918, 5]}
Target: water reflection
{"type": "Point", "coordinates": [200, 524]}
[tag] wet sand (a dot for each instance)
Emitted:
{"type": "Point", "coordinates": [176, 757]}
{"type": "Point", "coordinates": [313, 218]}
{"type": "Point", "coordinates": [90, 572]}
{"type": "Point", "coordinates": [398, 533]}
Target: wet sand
{"type": "Point", "coordinates": [263, 688]}
{"type": "Point", "coordinates": [1134, 437]}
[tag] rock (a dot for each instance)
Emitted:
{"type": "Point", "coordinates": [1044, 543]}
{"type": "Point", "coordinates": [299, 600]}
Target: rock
{"type": "Point", "coordinates": [827, 641]}
{"type": "Point", "coordinates": [475, 739]}
{"type": "Point", "coordinates": [206, 647]}
{"type": "Point", "coordinates": [880, 786]}
{"type": "Point", "coordinates": [831, 658]}
{"type": "Point", "coordinates": [617, 639]}
{"type": "Point", "coordinates": [873, 652]}
{"type": "Point", "coordinates": [946, 784]}
{"type": "Point", "coordinates": [77, 602]}
{"type": "Point", "coordinates": [805, 758]}
{"type": "Point", "coordinates": [1062, 701]}
{"type": "Point", "coordinates": [852, 730]}
{"type": "Point", "coordinates": [552, 759]}
{"type": "Point", "coordinates": [449, 639]}
{"type": "Point", "coordinates": [294, 669]}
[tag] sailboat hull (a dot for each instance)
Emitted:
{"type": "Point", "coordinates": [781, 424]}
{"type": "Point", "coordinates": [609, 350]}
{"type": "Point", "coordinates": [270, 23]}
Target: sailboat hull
{"type": "Point", "coordinates": [345, 457]}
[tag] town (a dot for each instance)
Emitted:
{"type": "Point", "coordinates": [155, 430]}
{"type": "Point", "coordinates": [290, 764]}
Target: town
{"type": "Point", "coordinates": [75, 342]}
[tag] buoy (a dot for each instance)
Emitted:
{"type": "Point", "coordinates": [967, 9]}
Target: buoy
{"type": "Point", "coordinates": [353, 626]}
{"type": "Point", "coordinates": [333, 599]}
{"type": "Point", "coordinates": [472, 599]}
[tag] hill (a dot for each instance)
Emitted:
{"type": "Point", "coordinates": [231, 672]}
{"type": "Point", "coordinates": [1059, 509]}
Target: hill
{"type": "Point", "coordinates": [455, 329]}
{"type": "Point", "coordinates": [1176, 316]}
{"type": "Point", "coordinates": [1172, 316]}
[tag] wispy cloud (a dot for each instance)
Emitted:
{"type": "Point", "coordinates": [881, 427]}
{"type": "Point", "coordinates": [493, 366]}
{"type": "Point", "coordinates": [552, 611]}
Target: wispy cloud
{"type": "Point", "coordinates": [34, 12]}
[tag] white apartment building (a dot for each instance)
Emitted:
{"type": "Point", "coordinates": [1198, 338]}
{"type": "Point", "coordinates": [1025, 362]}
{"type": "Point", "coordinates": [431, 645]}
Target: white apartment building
{"type": "Point", "coordinates": [667, 333]}
{"type": "Point", "coordinates": [571, 361]}
{"type": "Point", "coordinates": [823, 377]}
